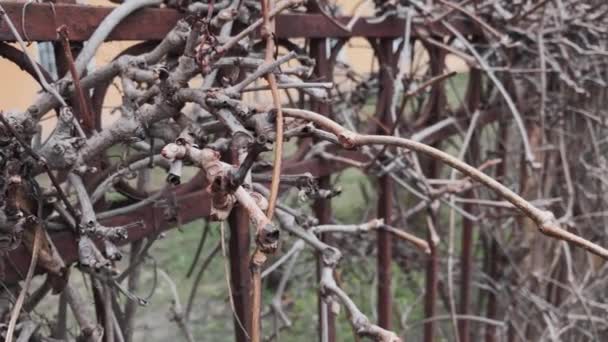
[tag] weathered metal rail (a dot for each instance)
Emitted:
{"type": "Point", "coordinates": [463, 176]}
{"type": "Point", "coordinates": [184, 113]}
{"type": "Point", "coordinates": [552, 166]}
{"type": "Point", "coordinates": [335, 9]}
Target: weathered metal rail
{"type": "Point", "coordinates": [180, 205]}
{"type": "Point", "coordinates": [39, 22]}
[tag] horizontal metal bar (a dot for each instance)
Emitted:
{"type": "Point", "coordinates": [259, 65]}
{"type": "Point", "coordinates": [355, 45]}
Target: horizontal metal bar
{"type": "Point", "coordinates": [190, 206]}
{"type": "Point", "coordinates": [41, 21]}
{"type": "Point", "coordinates": [318, 26]}
{"type": "Point", "coordinates": [195, 205]}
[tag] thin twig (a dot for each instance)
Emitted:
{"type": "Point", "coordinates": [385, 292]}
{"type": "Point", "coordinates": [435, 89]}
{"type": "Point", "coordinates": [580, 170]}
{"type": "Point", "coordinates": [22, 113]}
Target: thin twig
{"type": "Point", "coordinates": [227, 277]}
{"type": "Point", "coordinates": [87, 117]}
{"type": "Point", "coordinates": [544, 220]}
{"type": "Point", "coordinates": [26, 285]}
{"type": "Point", "coordinates": [198, 278]}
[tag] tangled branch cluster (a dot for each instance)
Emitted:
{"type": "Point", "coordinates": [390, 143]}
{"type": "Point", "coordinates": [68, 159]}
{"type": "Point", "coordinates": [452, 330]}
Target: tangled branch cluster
{"type": "Point", "coordinates": [529, 136]}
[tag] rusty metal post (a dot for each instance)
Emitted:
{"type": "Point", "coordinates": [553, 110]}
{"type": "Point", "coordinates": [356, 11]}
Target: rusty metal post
{"type": "Point", "coordinates": [430, 296]}
{"type": "Point", "coordinates": [434, 106]}
{"type": "Point", "coordinates": [473, 98]}
{"type": "Point", "coordinates": [494, 254]}
{"type": "Point", "coordinates": [492, 305]}
{"type": "Point", "coordinates": [466, 261]}
{"type": "Point", "coordinates": [240, 277]}
{"type": "Point", "coordinates": [239, 272]}
{"type": "Point", "coordinates": [385, 194]}
{"type": "Point", "coordinates": [322, 207]}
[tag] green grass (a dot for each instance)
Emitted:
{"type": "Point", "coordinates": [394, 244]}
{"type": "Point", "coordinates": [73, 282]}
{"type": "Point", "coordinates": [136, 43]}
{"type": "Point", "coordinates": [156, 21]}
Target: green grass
{"type": "Point", "coordinates": [174, 254]}
{"type": "Point", "coordinates": [456, 89]}
{"type": "Point", "coordinates": [351, 204]}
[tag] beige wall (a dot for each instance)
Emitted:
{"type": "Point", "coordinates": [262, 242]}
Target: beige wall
{"type": "Point", "coordinates": [18, 89]}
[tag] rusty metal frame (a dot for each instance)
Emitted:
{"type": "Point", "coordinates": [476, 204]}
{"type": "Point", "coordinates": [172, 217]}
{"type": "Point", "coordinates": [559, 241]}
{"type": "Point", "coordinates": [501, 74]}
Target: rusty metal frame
{"type": "Point", "coordinates": [40, 21]}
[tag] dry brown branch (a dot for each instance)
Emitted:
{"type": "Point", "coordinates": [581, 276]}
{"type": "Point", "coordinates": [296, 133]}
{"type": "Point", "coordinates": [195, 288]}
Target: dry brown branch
{"type": "Point", "coordinates": [35, 226]}
{"type": "Point", "coordinates": [544, 220]}
{"type": "Point", "coordinates": [217, 174]}
{"type": "Point", "coordinates": [361, 324]}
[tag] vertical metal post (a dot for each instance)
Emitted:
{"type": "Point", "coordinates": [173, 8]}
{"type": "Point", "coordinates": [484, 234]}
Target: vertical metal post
{"type": "Point", "coordinates": [494, 255]}
{"type": "Point", "coordinates": [385, 255]}
{"type": "Point", "coordinates": [492, 305]}
{"type": "Point", "coordinates": [240, 277]}
{"type": "Point", "coordinates": [239, 272]}
{"type": "Point", "coordinates": [322, 207]}
{"type": "Point", "coordinates": [473, 98]}
{"type": "Point", "coordinates": [430, 290]}
{"type": "Point", "coordinates": [435, 106]}
{"type": "Point", "coordinates": [466, 261]}
{"type": "Point", "coordinates": [385, 195]}
{"type": "Point", "coordinates": [430, 296]}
